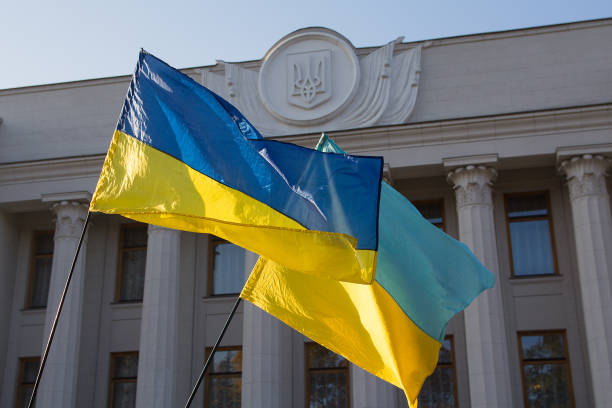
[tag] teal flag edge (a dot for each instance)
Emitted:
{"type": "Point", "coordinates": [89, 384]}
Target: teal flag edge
{"type": "Point", "coordinates": [428, 273]}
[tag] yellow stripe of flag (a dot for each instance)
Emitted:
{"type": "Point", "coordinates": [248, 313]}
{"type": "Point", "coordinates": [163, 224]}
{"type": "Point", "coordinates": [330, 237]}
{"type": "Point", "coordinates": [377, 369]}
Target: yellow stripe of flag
{"type": "Point", "coordinates": [147, 185]}
{"type": "Point", "coordinates": [360, 322]}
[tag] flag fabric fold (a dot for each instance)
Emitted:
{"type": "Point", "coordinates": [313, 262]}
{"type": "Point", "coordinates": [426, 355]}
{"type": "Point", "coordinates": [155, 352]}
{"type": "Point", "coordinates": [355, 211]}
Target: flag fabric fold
{"type": "Point", "coordinates": [394, 327]}
{"type": "Point", "coordinates": [345, 259]}
{"type": "Point", "coordinates": [184, 158]}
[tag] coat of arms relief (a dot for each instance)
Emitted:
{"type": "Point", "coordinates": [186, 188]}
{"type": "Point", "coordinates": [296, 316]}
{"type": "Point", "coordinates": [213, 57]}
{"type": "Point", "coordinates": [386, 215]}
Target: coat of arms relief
{"type": "Point", "coordinates": [312, 80]}
{"type": "Point", "coordinates": [308, 74]}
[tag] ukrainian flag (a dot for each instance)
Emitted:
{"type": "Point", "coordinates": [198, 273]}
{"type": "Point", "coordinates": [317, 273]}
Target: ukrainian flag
{"type": "Point", "coordinates": [394, 327]}
{"type": "Point", "coordinates": [184, 158]}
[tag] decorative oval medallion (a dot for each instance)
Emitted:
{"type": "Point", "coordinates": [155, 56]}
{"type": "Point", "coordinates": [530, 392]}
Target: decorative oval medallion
{"type": "Point", "coordinates": [308, 76]}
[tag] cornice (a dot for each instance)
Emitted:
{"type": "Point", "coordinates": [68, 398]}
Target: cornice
{"type": "Point", "coordinates": [52, 169]}
{"type": "Point", "coordinates": [121, 79]}
{"type": "Point", "coordinates": [65, 85]}
{"type": "Point", "coordinates": [255, 64]}
{"type": "Point", "coordinates": [495, 127]}
{"type": "Point", "coordinates": [513, 33]}
{"type": "Point", "coordinates": [356, 141]}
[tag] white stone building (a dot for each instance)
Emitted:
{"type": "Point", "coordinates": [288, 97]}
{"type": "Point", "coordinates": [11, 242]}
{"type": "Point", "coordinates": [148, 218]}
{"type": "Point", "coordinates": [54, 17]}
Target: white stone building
{"type": "Point", "coordinates": [502, 139]}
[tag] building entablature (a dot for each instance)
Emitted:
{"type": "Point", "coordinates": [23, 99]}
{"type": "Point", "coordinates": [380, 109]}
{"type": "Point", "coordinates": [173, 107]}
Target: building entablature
{"type": "Point", "coordinates": [525, 140]}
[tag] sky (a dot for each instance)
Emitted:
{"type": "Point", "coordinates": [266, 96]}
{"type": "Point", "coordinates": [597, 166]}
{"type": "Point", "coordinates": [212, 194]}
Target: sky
{"type": "Point", "coordinates": [49, 41]}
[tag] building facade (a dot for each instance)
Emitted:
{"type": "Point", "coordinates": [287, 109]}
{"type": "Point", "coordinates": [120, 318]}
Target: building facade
{"type": "Point", "coordinates": [504, 140]}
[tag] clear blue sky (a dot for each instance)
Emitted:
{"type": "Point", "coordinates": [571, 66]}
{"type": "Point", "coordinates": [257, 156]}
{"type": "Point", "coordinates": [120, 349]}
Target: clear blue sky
{"type": "Point", "coordinates": [55, 41]}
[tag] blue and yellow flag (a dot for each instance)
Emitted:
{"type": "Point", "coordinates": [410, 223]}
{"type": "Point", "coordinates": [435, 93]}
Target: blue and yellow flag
{"type": "Point", "coordinates": [394, 327]}
{"type": "Point", "coordinates": [184, 158]}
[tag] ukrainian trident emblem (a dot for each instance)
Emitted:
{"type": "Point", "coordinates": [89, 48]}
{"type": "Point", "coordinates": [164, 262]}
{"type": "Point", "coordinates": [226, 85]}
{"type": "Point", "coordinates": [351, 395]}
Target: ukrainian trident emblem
{"type": "Point", "coordinates": [308, 78]}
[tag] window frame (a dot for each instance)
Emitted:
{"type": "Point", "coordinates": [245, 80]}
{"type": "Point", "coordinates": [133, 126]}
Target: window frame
{"type": "Point", "coordinates": [121, 250]}
{"type": "Point", "coordinates": [308, 371]}
{"type": "Point", "coordinates": [112, 380]}
{"type": "Point", "coordinates": [33, 258]}
{"type": "Point", "coordinates": [439, 201]}
{"type": "Point", "coordinates": [213, 242]}
{"type": "Point", "coordinates": [20, 383]}
{"type": "Point", "coordinates": [565, 360]}
{"type": "Point", "coordinates": [210, 374]}
{"type": "Point", "coordinates": [551, 231]}
{"type": "Point", "coordinates": [452, 365]}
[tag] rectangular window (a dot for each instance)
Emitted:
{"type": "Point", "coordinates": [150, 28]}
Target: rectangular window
{"type": "Point", "coordinates": [545, 369]}
{"type": "Point", "coordinates": [132, 260]}
{"type": "Point", "coordinates": [432, 211]}
{"type": "Point", "coordinates": [530, 233]}
{"type": "Point", "coordinates": [226, 274]}
{"type": "Point", "coordinates": [28, 368]}
{"type": "Point", "coordinates": [40, 269]}
{"type": "Point", "coordinates": [223, 387]}
{"type": "Point", "coordinates": [124, 371]}
{"type": "Point", "coordinates": [440, 388]}
{"type": "Point", "coordinates": [327, 378]}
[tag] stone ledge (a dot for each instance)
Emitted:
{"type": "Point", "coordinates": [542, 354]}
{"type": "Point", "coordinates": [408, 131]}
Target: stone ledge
{"type": "Point", "coordinates": [567, 152]}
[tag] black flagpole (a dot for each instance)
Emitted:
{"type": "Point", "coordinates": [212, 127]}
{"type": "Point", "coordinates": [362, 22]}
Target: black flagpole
{"type": "Point", "coordinates": [57, 315]}
{"type": "Point", "coordinates": [212, 353]}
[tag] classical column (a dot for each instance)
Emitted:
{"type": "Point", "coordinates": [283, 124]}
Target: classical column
{"type": "Point", "coordinates": [590, 203]}
{"type": "Point", "coordinates": [485, 332]}
{"type": "Point", "coordinates": [369, 391]}
{"type": "Point", "coordinates": [59, 381]}
{"type": "Point", "coordinates": [266, 357]}
{"type": "Point", "coordinates": [156, 385]}
{"type": "Point", "coordinates": [9, 239]}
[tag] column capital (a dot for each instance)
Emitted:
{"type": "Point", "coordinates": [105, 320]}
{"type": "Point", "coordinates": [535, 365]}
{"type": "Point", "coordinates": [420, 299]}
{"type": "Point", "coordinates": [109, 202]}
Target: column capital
{"type": "Point", "coordinates": [472, 184]}
{"type": "Point", "coordinates": [586, 174]}
{"type": "Point", "coordinates": [70, 216]}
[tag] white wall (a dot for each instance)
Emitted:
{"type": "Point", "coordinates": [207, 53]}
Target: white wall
{"type": "Point", "coordinates": [480, 76]}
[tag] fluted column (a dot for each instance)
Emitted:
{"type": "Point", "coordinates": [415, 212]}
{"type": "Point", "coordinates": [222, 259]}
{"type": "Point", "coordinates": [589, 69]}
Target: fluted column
{"type": "Point", "coordinates": [266, 357]}
{"type": "Point", "coordinates": [590, 203]}
{"type": "Point", "coordinates": [487, 350]}
{"type": "Point", "coordinates": [9, 238]}
{"type": "Point", "coordinates": [369, 391]}
{"type": "Point", "coordinates": [156, 384]}
{"type": "Point", "coordinates": [59, 381]}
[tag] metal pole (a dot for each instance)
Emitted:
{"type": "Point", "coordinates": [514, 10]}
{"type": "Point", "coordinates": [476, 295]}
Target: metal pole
{"type": "Point", "coordinates": [57, 315]}
{"type": "Point", "coordinates": [212, 353]}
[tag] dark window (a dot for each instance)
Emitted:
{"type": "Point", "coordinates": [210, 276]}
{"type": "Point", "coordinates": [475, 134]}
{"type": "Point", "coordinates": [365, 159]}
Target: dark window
{"type": "Point", "coordinates": [545, 369]}
{"type": "Point", "coordinates": [432, 211]}
{"type": "Point", "coordinates": [440, 389]}
{"type": "Point", "coordinates": [124, 370]}
{"type": "Point", "coordinates": [28, 368]}
{"type": "Point", "coordinates": [530, 234]}
{"type": "Point", "coordinates": [226, 274]}
{"type": "Point", "coordinates": [132, 260]}
{"type": "Point", "coordinates": [223, 387]}
{"type": "Point", "coordinates": [327, 378]}
{"type": "Point", "coordinates": [40, 269]}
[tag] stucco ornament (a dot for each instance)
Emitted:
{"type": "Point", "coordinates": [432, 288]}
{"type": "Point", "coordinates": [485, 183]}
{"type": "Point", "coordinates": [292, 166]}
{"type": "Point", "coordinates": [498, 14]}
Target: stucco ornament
{"type": "Point", "coordinates": [71, 216]}
{"type": "Point", "coordinates": [313, 80]}
{"type": "Point", "coordinates": [308, 78]}
{"type": "Point", "coordinates": [473, 184]}
{"type": "Point", "coordinates": [586, 174]}
{"type": "Point", "coordinates": [321, 73]}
